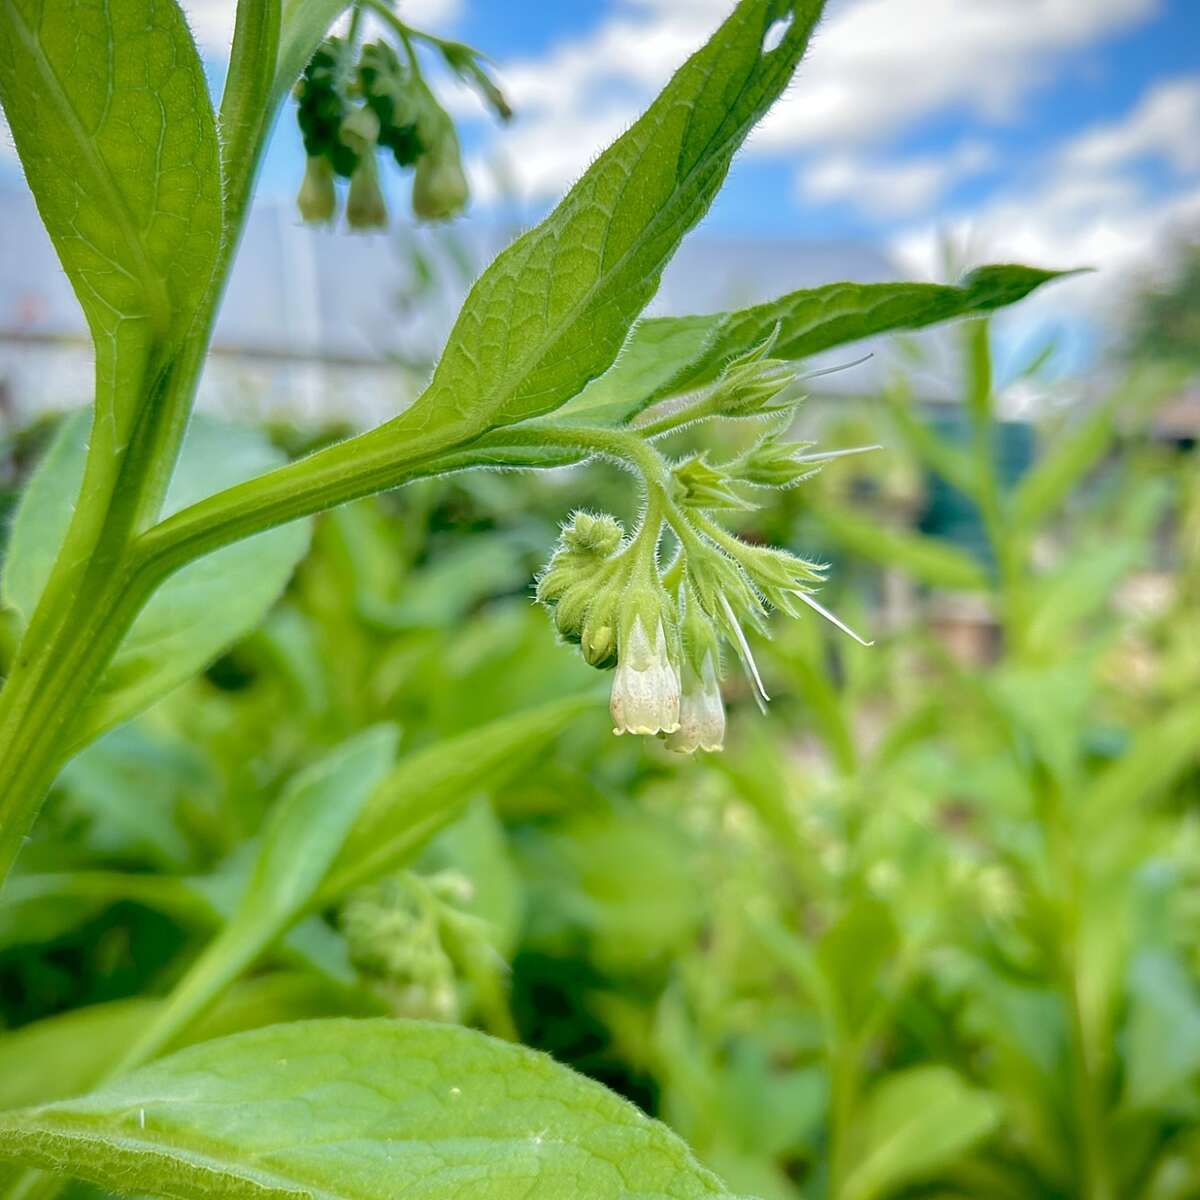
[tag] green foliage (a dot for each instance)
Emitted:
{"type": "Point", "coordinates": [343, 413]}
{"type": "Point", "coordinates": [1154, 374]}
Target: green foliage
{"type": "Point", "coordinates": [432, 1110]}
{"type": "Point", "coordinates": [928, 933]}
{"type": "Point", "coordinates": [195, 615]}
{"type": "Point", "coordinates": [913, 1124]}
{"type": "Point", "coordinates": [1164, 316]}
{"type": "Point", "coordinates": [111, 116]}
{"type": "Point", "coordinates": [551, 313]}
{"type": "Point", "coordinates": [666, 356]}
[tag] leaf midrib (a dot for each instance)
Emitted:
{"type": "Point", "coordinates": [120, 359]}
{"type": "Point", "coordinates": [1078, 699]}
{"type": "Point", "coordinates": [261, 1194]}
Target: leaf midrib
{"type": "Point", "coordinates": [151, 282]}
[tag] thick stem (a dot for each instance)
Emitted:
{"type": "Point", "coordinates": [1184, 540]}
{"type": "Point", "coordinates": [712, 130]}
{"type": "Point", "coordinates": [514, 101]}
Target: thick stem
{"type": "Point", "coordinates": [96, 587]}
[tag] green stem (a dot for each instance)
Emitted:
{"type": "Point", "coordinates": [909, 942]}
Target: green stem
{"type": "Point", "coordinates": [97, 586]}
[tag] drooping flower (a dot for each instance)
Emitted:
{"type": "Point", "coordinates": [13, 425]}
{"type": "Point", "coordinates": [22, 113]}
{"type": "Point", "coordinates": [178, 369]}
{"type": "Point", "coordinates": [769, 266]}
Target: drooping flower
{"type": "Point", "coordinates": [317, 200]}
{"type": "Point", "coordinates": [701, 711]}
{"type": "Point", "coordinates": [646, 691]}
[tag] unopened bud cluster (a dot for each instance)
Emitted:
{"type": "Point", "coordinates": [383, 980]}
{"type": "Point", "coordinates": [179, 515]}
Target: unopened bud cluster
{"type": "Point", "coordinates": [408, 937]}
{"type": "Point", "coordinates": [355, 104]}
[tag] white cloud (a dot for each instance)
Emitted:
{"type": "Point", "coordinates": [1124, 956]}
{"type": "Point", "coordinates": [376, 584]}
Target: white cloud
{"type": "Point", "coordinates": [1165, 124]}
{"type": "Point", "coordinates": [1088, 210]}
{"type": "Point", "coordinates": [890, 189]}
{"type": "Point", "coordinates": [875, 68]}
{"type": "Point", "coordinates": [212, 20]}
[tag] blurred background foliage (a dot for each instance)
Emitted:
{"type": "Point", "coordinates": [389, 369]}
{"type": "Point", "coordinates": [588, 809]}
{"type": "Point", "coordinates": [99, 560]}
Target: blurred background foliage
{"type": "Point", "coordinates": [929, 929]}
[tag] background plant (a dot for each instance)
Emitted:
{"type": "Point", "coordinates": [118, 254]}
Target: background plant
{"type": "Point", "coordinates": [302, 880]}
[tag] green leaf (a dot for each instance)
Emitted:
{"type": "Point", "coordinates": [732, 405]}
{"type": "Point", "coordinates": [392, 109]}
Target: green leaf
{"type": "Point", "coordinates": [1065, 464]}
{"type": "Point", "coordinates": [131, 789]}
{"type": "Point", "coordinates": [430, 788]}
{"type": "Point", "coordinates": [111, 117]}
{"type": "Point", "coordinates": [1162, 1051]}
{"type": "Point", "coordinates": [301, 837]}
{"type": "Point", "coordinates": [666, 356]}
{"type": "Point", "coordinates": [930, 560]}
{"type": "Point", "coordinates": [65, 1055]}
{"type": "Point", "coordinates": [553, 310]}
{"type": "Point", "coordinates": [912, 1125]}
{"type": "Point", "coordinates": [359, 1109]}
{"type": "Point", "coordinates": [198, 612]}
{"type": "Point", "coordinates": [651, 360]}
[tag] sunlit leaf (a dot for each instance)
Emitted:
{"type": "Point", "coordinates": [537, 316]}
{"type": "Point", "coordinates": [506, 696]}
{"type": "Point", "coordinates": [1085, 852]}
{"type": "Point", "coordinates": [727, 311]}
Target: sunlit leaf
{"type": "Point", "coordinates": [359, 1109]}
{"type": "Point", "coordinates": [552, 311]}
{"type": "Point", "coordinates": [110, 114]}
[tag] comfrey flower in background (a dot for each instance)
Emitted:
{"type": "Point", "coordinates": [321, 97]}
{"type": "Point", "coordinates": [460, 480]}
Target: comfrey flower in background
{"type": "Point", "coordinates": [662, 628]}
{"type": "Point", "coordinates": [354, 103]}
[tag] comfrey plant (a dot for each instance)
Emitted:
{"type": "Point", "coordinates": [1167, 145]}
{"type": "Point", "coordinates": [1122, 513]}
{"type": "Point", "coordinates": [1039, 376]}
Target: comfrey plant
{"type": "Point", "coordinates": [662, 629]}
{"type": "Point", "coordinates": [149, 540]}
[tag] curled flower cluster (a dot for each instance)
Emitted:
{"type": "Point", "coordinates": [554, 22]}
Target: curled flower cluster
{"type": "Point", "coordinates": [662, 628]}
{"type": "Point", "coordinates": [349, 111]}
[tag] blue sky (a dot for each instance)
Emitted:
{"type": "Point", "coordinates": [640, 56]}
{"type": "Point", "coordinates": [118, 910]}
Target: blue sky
{"type": "Point", "coordinates": [1058, 132]}
{"type": "Point", "coordinates": [1063, 132]}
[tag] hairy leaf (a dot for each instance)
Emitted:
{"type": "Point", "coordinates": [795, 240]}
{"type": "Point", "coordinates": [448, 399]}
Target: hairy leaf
{"type": "Point", "coordinates": [359, 1109]}
{"type": "Point", "coordinates": [198, 612]}
{"type": "Point", "coordinates": [111, 117]}
{"type": "Point", "coordinates": [553, 310]}
{"type": "Point", "coordinates": [667, 356]}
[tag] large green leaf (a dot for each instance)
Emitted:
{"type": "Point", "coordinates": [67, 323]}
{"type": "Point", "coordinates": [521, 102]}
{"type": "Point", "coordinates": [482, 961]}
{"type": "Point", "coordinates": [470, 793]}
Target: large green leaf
{"type": "Point", "coordinates": [553, 310]}
{"type": "Point", "coordinates": [359, 1109]}
{"type": "Point", "coordinates": [196, 613]}
{"type": "Point", "coordinates": [111, 117]}
{"type": "Point", "coordinates": [666, 356]}
{"type": "Point", "coordinates": [913, 1124]}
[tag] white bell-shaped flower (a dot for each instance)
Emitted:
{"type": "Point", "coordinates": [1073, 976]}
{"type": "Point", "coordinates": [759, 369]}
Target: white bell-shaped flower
{"type": "Point", "coordinates": [645, 693]}
{"type": "Point", "coordinates": [701, 711]}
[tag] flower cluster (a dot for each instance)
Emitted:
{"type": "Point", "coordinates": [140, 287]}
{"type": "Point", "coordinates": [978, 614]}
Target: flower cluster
{"type": "Point", "coordinates": [662, 627]}
{"type": "Point", "coordinates": [354, 103]}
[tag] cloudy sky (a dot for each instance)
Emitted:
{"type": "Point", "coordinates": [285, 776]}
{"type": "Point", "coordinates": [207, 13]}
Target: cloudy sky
{"type": "Point", "coordinates": [1058, 132]}
{"type": "Point", "coordinates": [1062, 132]}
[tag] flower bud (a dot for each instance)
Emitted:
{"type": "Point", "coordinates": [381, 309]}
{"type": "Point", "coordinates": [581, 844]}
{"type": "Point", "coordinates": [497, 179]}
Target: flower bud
{"type": "Point", "coordinates": [365, 206]}
{"type": "Point", "coordinates": [777, 464]}
{"type": "Point", "coordinates": [701, 485]}
{"type": "Point", "coordinates": [598, 634]}
{"type": "Point", "coordinates": [317, 200]}
{"type": "Point", "coordinates": [778, 574]}
{"type": "Point", "coordinates": [439, 186]}
{"type": "Point", "coordinates": [753, 384]}
{"type": "Point", "coordinates": [593, 533]}
{"type": "Point", "coordinates": [466, 65]}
